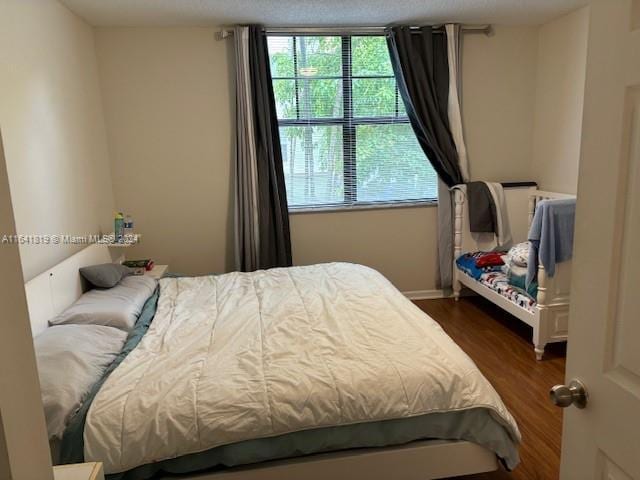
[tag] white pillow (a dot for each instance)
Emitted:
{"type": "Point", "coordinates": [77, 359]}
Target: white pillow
{"type": "Point", "coordinates": [519, 254]}
{"type": "Point", "coordinates": [71, 359]}
{"type": "Point", "coordinates": [117, 307]}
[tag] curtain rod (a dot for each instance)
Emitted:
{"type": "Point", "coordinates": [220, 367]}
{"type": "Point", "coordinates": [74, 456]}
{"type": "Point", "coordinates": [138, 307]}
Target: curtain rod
{"type": "Point", "coordinates": [471, 29]}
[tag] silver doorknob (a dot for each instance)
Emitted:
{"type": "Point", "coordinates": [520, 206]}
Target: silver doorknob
{"type": "Point", "coordinates": [575, 394]}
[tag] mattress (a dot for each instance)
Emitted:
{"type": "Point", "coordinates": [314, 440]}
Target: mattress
{"type": "Point", "coordinates": [245, 367]}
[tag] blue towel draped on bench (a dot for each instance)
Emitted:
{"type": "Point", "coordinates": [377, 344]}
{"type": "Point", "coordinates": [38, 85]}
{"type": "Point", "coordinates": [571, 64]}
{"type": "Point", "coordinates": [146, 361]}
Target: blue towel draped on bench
{"type": "Point", "coordinates": [551, 236]}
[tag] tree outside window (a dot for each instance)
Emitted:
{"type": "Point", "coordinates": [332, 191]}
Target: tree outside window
{"type": "Point", "coordinates": [345, 135]}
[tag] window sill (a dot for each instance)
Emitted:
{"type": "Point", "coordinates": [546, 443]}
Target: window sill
{"type": "Point", "coordinates": [363, 206]}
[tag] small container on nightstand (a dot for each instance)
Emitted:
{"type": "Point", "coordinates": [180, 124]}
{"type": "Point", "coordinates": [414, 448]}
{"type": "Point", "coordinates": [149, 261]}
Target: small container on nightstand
{"type": "Point", "coordinates": [79, 471]}
{"type": "Point", "coordinates": [157, 271]}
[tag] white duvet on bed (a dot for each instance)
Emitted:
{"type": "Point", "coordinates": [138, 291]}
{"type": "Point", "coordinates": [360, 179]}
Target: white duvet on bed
{"type": "Point", "coordinates": [248, 355]}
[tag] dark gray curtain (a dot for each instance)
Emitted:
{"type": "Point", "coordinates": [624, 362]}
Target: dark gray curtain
{"type": "Point", "coordinates": [262, 217]}
{"type": "Point", "coordinates": [420, 65]}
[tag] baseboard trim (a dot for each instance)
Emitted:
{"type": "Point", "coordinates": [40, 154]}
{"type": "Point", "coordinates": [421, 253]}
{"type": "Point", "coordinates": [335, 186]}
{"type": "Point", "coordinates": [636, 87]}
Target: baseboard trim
{"type": "Point", "coordinates": [424, 294]}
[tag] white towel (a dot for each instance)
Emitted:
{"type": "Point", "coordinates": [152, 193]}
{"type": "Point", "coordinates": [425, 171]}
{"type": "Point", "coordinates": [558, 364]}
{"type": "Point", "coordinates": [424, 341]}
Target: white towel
{"type": "Point", "coordinates": [503, 233]}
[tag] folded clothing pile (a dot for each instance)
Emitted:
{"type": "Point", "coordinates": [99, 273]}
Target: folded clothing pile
{"type": "Point", "coordinates": [515, 267]}
{"type": "Point", "coordinates": [504, 272]}
{"type": "Point", "coordinates": [475, 264]}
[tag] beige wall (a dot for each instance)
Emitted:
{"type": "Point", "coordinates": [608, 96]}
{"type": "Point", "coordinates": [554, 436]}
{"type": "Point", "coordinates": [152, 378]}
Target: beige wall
{"type": "Point", "coordinates": [562, 58]}
{"type": "Point", "coordinates": [52, 121]}
{"type": "Point", "coordinates": [399, 242]}
{"type": "Point", "coordinates": [498, 98]}
{"type": "Point", "coordinates": [168, 105]}
{"type": "Point", "coordinates": [168, 108]}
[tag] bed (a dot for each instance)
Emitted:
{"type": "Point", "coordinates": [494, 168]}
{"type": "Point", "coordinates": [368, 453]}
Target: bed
{"type": "Point", "coordinates": [303, 372]}
{"type": "Point", "coordinates": [548, 312]}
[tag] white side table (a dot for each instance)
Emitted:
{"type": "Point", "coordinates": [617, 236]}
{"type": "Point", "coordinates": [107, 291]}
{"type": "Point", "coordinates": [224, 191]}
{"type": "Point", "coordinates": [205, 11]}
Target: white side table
{"type": "Point", "coordinates": [79, 471]}
{"type": "Point", "coordinates": [157, 271]}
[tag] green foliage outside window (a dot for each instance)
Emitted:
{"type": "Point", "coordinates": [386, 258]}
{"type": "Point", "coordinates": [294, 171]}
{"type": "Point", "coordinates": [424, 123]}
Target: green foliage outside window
{"type": "Point", "coordinates": [344, 146]}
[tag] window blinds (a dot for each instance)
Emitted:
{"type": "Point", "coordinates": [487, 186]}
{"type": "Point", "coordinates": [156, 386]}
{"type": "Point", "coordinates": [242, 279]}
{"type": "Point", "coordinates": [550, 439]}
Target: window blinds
{"type": "Point", "coordinates": [344, 132]}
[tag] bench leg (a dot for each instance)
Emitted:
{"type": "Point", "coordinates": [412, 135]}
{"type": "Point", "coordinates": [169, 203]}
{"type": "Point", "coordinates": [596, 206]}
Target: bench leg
{"type": "Point", "coordinates": [457, 288]}
{"type": "Point", "coordinates": [456, 285]}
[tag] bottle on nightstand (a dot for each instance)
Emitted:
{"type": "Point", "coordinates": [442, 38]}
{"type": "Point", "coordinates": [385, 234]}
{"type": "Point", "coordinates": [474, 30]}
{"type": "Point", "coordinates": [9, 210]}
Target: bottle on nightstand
{"type": "Point", "coordinates": [128, 228]}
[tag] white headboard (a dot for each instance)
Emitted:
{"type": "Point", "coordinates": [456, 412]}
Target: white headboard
{"type": "Point", "coordinates": [521, 202]}
{"type": "Point", "coordinates": [539, 195]}
{"type": "Point", "coordinates": [55, 289]}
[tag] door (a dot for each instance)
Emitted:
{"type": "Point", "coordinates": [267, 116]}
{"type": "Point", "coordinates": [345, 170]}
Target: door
{"type": "Point", "coordinates": [602, 441]}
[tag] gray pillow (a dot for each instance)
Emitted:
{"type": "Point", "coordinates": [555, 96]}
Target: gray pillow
{"type": "Point", "coordinates": [106, 275]}
{"type": "Point", "coordinates": [71, 359]}
{"type": "Point", "coordinates": [117, 307]}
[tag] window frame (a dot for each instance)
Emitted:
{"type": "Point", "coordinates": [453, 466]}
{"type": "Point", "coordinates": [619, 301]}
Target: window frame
{"type": "Point", "coordinates": [349, 124]}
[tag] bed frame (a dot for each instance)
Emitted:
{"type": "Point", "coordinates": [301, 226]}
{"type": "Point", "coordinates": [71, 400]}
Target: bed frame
{"type": "Point", "coordinates": [54, 290]}
{"type": "Point", "coordinates": [550, 317]}
{"type": "Point", "coordinates": [420, 460]}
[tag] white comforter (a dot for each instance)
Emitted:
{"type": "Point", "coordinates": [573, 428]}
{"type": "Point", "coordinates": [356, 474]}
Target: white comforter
{"type": "Point", "coordinates": [248, 355]}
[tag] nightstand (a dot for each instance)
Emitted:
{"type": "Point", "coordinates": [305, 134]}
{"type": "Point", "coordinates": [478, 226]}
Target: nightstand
{"type": "Point", "coordinates": [79, 471]}
{"type": "Point", "coordinates": [157, 271]}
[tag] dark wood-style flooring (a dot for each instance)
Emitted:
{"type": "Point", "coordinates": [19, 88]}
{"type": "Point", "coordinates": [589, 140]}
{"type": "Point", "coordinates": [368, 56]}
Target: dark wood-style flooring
{"type": "Point", "coordinates": [500, 345]}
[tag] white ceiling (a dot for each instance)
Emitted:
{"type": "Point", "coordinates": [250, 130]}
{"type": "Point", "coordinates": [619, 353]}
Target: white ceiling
{"type": "Point", "coordinates": [317, 12]}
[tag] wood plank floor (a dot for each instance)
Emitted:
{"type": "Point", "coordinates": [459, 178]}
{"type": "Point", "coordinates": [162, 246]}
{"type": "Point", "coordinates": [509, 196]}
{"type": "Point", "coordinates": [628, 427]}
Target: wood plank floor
{"type": "Point", "coordinates": [501, 347]}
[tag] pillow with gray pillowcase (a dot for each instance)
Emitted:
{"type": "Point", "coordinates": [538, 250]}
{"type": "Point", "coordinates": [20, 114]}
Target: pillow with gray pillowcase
{"type": "Point", "coordinates": [106, 275]}
{"type": "Point", "coordinates": [118, 307]}
{"type": "Point", "coordinates": [71, 359]}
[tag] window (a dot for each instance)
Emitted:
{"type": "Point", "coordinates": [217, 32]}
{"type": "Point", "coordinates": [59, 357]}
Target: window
{"type": "Point", "coordinates": [345, 136]}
